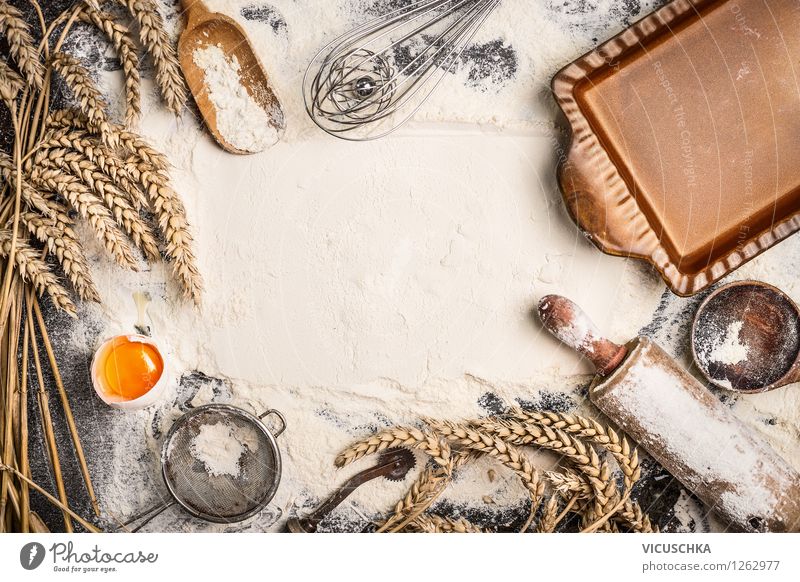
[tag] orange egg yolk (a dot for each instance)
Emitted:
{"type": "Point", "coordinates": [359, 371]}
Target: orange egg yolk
{"type": "Point", "coordinates": [131, 368]}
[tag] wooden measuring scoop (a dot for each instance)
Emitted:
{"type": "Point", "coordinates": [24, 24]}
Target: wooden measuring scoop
{"type": "Point", "coordinates": [746, 337]}
{"type": "Point", "coordinates": [205, 28]}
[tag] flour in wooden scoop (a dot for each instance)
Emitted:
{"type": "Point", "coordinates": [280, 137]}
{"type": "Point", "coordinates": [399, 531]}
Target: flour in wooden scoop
{"type": "Point", "coordinates": [241, 121]}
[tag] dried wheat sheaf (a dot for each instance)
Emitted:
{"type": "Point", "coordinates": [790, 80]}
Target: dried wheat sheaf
{"type": "Point", "coordinates": [584, 484]}
{"type": "Point", "coordinates": [67, 166]}
{"type": "Point", "coordinates": [78, 163]}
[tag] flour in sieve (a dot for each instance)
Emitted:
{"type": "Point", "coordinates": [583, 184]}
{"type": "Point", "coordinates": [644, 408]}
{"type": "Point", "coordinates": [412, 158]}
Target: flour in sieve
{"type": "Point", "coordinates": [219, 449]}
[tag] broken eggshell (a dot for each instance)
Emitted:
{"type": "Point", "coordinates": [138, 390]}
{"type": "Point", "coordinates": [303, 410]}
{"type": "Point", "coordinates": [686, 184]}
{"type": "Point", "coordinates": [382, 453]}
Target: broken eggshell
{"type": "Point", "coordinates": [102, 385]}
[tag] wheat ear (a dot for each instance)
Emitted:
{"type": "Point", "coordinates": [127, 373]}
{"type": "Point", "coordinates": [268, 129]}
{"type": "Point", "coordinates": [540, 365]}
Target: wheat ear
{"type": "Point", "coordinates": [20, 43]}
{"type": "Point", "coordinates": [60, 239]}
{"type": "Point", "coordinates": [98, 153]}
{"type": "Point", "coordinates": [423, 492]}
{"type": "Point", "coordinates": [495, 447]}
{"type": "Point", "coordinates": [634, 519]}
{"type": "Point", "coordinates": [101, 184]}
{"type": "Point", "coordinates": [30, 195]}
{"type": "Point", "coordinates": [591, 430]}
{"type": "Point", "coordinates": [439, 524]}
{"type": "Point", "coordinates": [409, 437]}
{"type": "Point", "coordinates": [149, 168]}
{"type": "Point", "coordinates": [583, 457]}
{"type": "Point", "coordinates": [430, 484]}
{"type": "Point", "coordinates": [155, 39]}
{"type": "Point", "coordinates": [568, 484]}
{"type": "Point", "coordinates": [91, 102]}
{"type": "Point", "coordinates": [120, 37]}
{"type": "Point", "coordinates": [10, 84]}
{"type": "Point", "coordinates": [34, 270]}
{"type": "Point", "coordinates": [549, 519]}
{"type": "Point", "coordinates": [90, 207]}
{"type": "Point", "coordinates": [171, 216]}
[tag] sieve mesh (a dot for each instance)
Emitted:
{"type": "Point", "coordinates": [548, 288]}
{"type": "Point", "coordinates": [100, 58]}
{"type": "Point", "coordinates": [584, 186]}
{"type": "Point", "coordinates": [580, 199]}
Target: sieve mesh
{"type": "Point", "coordinates": [221, 496]}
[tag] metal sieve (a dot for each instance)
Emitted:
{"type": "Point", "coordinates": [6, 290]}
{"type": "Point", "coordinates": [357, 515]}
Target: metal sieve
{"type": "Point", "coordinates": [220, 496]}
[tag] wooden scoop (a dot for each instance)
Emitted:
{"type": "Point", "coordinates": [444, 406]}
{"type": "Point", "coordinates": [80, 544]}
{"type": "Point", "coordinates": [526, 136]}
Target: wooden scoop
{"type": "Point", "coordinates": [204, 28]}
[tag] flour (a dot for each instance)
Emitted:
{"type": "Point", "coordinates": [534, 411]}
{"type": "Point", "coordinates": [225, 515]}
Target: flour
{"type": "Point", "coordinates": [241, 121]}
{"type": "Point", "coordinates": [577, 333]}
{"type": "Point", "coordinates": [219, 449]}
{"type": "Point", "coordinates": [357, 286]}
{"type": "Point", "coordinates": [728, 349]}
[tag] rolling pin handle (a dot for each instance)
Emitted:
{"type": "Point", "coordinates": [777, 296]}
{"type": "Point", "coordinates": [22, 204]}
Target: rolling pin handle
{"type": "Point", "coordinates": [571, 325]}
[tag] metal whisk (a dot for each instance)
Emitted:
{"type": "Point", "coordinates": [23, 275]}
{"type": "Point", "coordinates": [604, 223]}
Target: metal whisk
{"type": "Point", "coordinates": [369, 81]}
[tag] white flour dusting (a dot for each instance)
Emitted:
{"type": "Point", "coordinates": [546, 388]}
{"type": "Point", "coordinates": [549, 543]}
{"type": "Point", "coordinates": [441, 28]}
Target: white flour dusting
{"type": "Point", "coordinates": [358, 286]}
{"type": "Point", "coordinates": [577, 333]}
{"type": "Point", "coordinates": [241, 121]}
{"type": "Point", "coordinates": [728, 349]}
{"type": "Point", "coordinates": [219, 449]}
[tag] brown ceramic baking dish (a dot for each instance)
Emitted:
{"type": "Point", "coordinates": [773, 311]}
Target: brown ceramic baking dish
{"type": "Point", "coordinates": [685, 147]}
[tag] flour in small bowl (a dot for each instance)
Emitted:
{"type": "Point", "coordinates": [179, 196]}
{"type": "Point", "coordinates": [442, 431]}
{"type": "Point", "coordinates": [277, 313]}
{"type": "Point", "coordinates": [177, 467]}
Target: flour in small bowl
{"type": "Point", "coordinates": [219, 449]}
{"type": "Point", "coordinates": [729, 350]}
{"type": "Point", "coordinates": [241, 121]}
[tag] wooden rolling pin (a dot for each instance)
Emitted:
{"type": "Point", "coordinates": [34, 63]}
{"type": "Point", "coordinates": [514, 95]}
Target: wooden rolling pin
{"type": "Point", "coordinates": [682, 425]}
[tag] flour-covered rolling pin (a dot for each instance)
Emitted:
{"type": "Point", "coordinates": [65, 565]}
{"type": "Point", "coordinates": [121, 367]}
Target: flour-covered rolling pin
{"type": "Point", "coordinates": [682, 425]}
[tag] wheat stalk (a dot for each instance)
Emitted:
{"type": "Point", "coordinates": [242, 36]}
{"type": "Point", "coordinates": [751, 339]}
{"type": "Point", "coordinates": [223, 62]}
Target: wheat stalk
{"type": "Point", "coordinates": [30, 195]}
{"type": "Point", "coordinates": [149, 168]}
{"type": "Point", "coordinates": [91, 102]}
{"type": "Point", "coordinates": [90, 207]}
{"type": "Point", "coordinates": [60, 239]}
{"type": "Point", "coordinates": [100, 154]}
{"type": "Point", "coordinates": [98, 182]}
{"type": "Point", "coordinates": [20, 44]}
{"type": "Point", "coordinates": [10, 85]}
{"type": "Point", "coordinates": [439, 524]}
{"type": "Point", "coordinates": [119, 36]}
{"type": "Point", "coordinates": [587, 484]}
{"type": "Point", "coordinates": [34, 270]}
{"type": "Point", "coordinates": [590, 429]}
{"type": "Point", "coordinates": [88, 171]}
{"type": "Point", "coordinates": [154, 37]}
{"type": "Point", "coordinates": [408, 437]}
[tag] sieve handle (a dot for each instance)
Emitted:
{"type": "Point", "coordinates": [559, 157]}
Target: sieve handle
{"type": "Point", "coordinates": [279, 432]}
{"type": "Point", "coordinates": [146, 516]}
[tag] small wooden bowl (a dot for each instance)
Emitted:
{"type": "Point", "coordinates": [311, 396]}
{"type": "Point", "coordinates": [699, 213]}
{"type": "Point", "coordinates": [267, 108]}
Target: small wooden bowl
{"type": "Point", "coordinates": [766, 352]}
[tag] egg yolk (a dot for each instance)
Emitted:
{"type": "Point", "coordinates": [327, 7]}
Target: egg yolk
{"type": "Point", "coordinates": [132, 368]}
